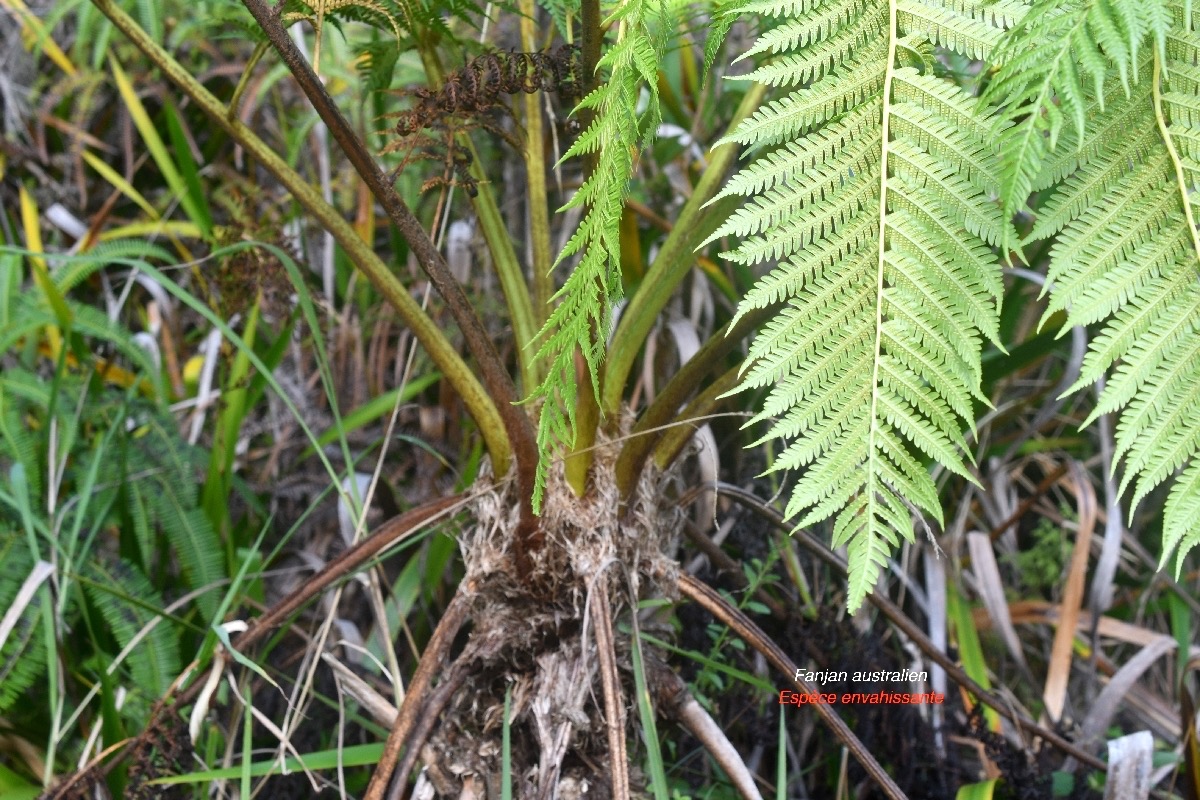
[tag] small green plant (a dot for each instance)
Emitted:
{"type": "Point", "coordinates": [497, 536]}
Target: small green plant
{"type": "Point", "coordinates": [1039, 566]}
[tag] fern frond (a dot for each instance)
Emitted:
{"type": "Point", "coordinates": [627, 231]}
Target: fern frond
{"type": "Point", "coordinates": [814, 64]}
{"type": "Point", "coordinates": [858, 79]}
{"type": "Point", "coordinates": [1045, 62]}
{"type": "Point", "coordinates": [560, 11]}
{"type": "Point", "coordinates": [1090, 177]}
{"type": "Point", "coordinates": [17, 444]}
{"type": "Point", "coordinates": [1099, 244]}
{"type": "Point", "coordinates": [21, 659]}
{"type": "Point", "coordinates": [192, 539]}
{"type": "Point", "coordinates": [723, 14]}
{"type": "Point", "coordinates": [580, 321]}
{"type": "Point", "coordinates": [970, 33]}
{"type": "Point", "coordinates": [820, 24]}
{"type": "Point", "coordinates": [1127, 251]}
{"type": "Point", "coordinates": [77, 269]}
{"type": "Point", "coordinates": [128, 603]}
{"type": "Point", "coordinates": [170, 501]}
{"type": "Point", "coordinates": [1181, 527]}
{"type": "Point", "coordinates": [370, 11]}
{"type": "Point", "coordinates": [874, 190]}
{"type": "Point", "coordinates": [1079, 148]}
{"type": "Point", "coordinates": [376, 61]}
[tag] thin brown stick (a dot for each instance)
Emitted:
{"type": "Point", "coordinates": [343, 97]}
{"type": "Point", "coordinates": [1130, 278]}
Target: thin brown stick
{"type": "Point", "coordinates": [910, 629]}
{"type": "Point", "coordinates": [723, 561]}
{"type": "Point", "coordinates": [495, 377]}
{"type": "Point", "coordinates": [706, 597]}
{"type": "Point", "coordinates": [431, 659]}
{"type": "Point", "coordinates": [614, 707]}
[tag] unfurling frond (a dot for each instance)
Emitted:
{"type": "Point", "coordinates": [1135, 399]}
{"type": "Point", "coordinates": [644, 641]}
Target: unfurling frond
{"type": "Point", "coordinates": [874, 191]}
{"type": "Point", "coordinates": [580, 321]}
{"type": "Point", "coordinates": [1127, 254]}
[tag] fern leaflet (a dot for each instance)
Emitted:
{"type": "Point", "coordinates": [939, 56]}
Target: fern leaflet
{"type": "Point", "coordinates": [129, 604]}
{"type": "Point", "coordinates": [1045, 61]}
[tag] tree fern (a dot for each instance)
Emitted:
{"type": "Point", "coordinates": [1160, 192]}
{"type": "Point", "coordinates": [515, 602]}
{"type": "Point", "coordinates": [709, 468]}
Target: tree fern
{"type": "Point", "coordinates": [873, 189]}
{"type": "Point", "coordinates": [581, 319]}
{"type": "Point", "coordinates": [1126, 249]}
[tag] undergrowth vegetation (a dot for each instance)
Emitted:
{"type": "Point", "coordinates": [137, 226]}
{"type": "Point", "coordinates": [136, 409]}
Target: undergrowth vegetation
{"type": "Point", "coordinates": [871, 347]}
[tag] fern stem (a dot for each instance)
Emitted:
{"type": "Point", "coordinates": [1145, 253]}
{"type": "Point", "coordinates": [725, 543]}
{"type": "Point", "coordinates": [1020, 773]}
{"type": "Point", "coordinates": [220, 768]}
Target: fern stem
{"type": "Point", "coordinates": [692, 417]}
{"type": "Point", "coordinates": [1180, 179]}
{"type": "Point", "coordinates": [590, 36]}
{"type": "Point", "coordinates": [674, 259]}
{"type": "Point", "coordinates": [477, 401]}
{"type": "Point", "coordinates": [652, 424]}
{"type": "Point", "coordinates": [235, 102]}
{"type": "Point", "coordinates": [579, 460]}
{"type": "Point", "coordinates": [884, 133]}
{"type": "Point", "coordinates": [535, 179]}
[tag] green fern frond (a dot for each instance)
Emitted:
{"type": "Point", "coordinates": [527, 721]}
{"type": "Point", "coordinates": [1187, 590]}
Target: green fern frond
{"type": "Point", "coordinates": [580, 322]}
{"type": "Point", "coordinates": [17, 444]}
{"type": "Point", "coordinates": [128, 603]}
{"type": "Point", "coordinates": [858, 78]}
{"type": "Point", "coordinates": [78, 268]}
{"type": "Point", "coordinates": [173, 504]}
{"type": "Point", "coordinates": [1126, 251]}
{"type": "Point", "coordinates": [970, 31]}
{"type": "Point", "coordinates": [390, 16]}
{"type": "Point", "coordinates": [1090, 173]}
{"type": "Point", "coordinates": [22, 660]}
{"type": "Point", "coordinates": [874, 192]}
{"type": "Point", "coordinates": [1181, 526]}
{"type": "Point", "coordinates": [561, 11]}
{"type": "Point", "coordinates": [1045, 61]}
{"type": "Point", "coordinates": [376, 61]}
{"type": "Point", "coordinates": [1080, 147]}
{"type": "Point", "coordinates": [315, 11]}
